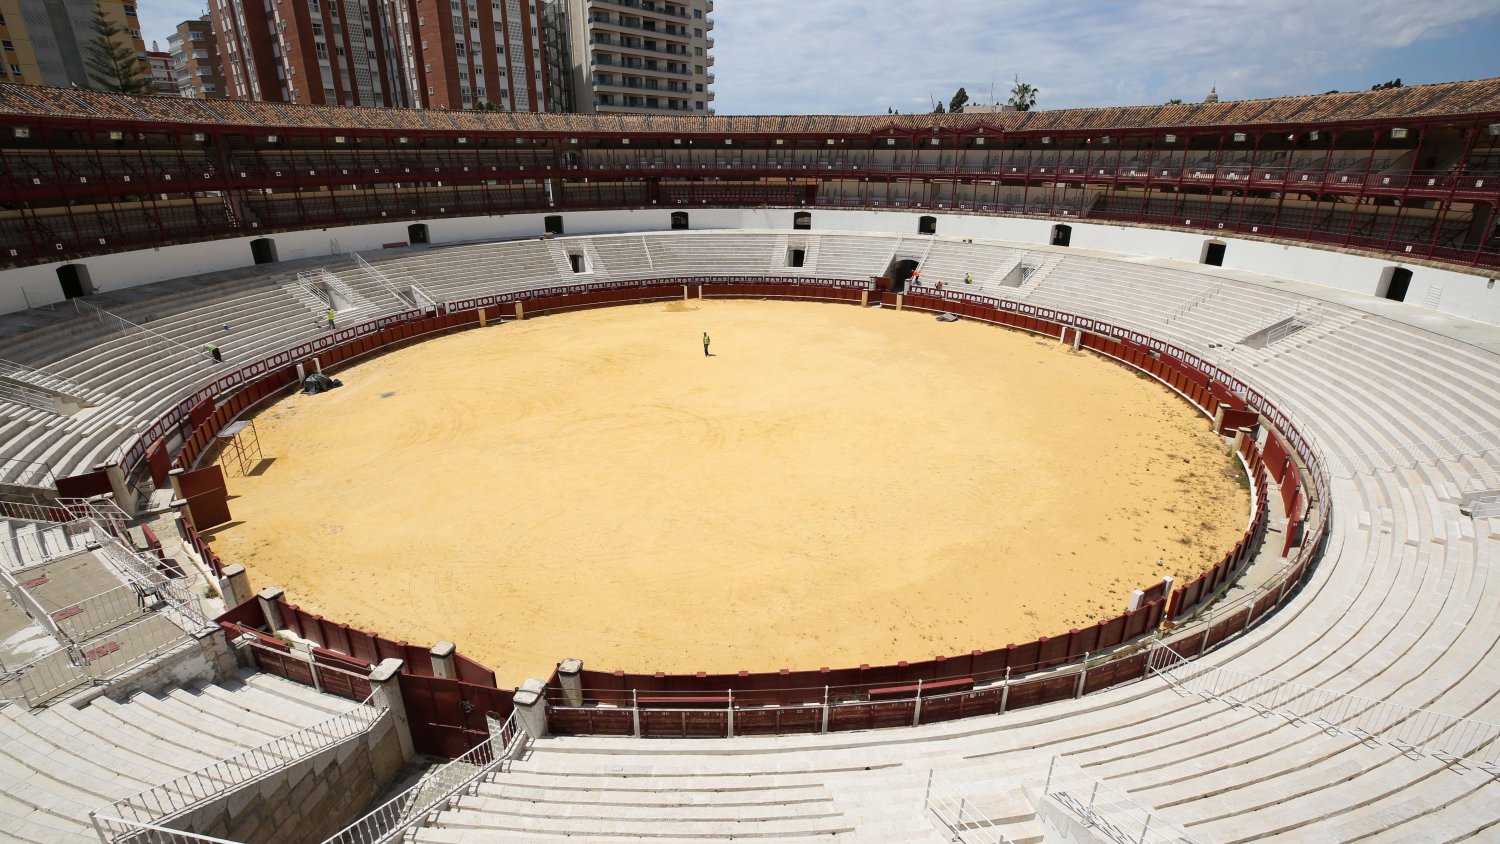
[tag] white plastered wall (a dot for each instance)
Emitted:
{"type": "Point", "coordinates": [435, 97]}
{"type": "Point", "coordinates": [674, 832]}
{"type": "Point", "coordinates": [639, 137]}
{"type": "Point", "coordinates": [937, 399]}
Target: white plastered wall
{"type": "Point", "coordinates": [1472, 296]}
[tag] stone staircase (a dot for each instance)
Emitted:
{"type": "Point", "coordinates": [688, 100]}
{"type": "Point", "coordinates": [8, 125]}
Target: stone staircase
{"type": "Point", "coordinates": [59, 764]}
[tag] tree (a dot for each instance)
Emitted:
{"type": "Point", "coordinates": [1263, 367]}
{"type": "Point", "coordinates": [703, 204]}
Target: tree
{"type": "Point", "coordinates": [1394, 83]}
{"type": "Point", "coordinates": [112, 59]}
{"type": "Point", "coordinates": [956, 104]}
{"type": "Point", "coordinates": [1174, 101]}
{"type": "Point", "coordinates": [1022, 95]}
{"type": "Point", "coordinates": [938, 109]}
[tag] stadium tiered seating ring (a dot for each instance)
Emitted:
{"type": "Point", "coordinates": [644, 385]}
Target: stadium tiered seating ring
{"type": "Point", "coordinates": [1330, 677]}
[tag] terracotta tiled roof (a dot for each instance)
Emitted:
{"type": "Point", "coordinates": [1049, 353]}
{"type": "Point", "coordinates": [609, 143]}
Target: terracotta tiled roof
{"type": "Point", "coordinates": [1437, 100]}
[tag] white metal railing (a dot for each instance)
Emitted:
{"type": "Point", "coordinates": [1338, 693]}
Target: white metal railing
{"type": "Point", "coordinates": [128, 646]}
{"type": "Point", "coordinates": [37, 377]}
{"type": "Point", "coordinates": [172, 798]}
{"type": "Point", "coordinates": [1431, 451]}
{"type": "Point", "coordinates": [41, 679]}
{"type": "Point", "coordinates": [964, 822]}
{"type": "Point", "coordinates": [26, 397]}
{"type": "Point", "coordinates": [28, 603]}
{"type": "Point", "coordinates": [126, 325]}
{"type": "Point", "coordinates": [119, 650]}
{"type": "Point", "coordinates": [119, 829]}
{"type": "Point", "coordinates": [1199, 299]}
{"type": "Point", "coordinates": [309, 284]}
{"type": "Point", "coordinates": [1414, 732]}
{"type": "Point", "coordinates": [34, 543]}
{"type": "Point", "coordinates": [80, 621]}
{"type": "Point", "coordinates": [412, 806]}
{"type": "Point", "coordinates": [1485, 506]}
{"type": "Point", "coordinates": [419, 298]}
{"type": "Point", "coordinates": [106, 512]}
{"type": "Point", "coordinates": [29, 512]}
{"type": "Point", "coordinates": [337, 288]}
{"type": "Point", "coordinates": [1107, 811]}
{"type": "Point", "coordinates": [27, 473]}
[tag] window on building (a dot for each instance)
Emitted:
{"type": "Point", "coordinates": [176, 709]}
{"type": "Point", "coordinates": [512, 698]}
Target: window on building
{"type": "Point", "coordinates": [317, 30]}
{"type": "Point", "coordinates": [8, 45]}
{"type": "Point", "coordinates": [321, 48]}
{"type": "Point", "coordinates": [460, 50]}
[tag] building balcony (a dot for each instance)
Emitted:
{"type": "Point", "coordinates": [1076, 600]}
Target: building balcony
{"type": "Point", "coordinates": [648, 8]}
{"type": "Point", "coordinates": [641, 48]}
{"type": "Point", "coordinates": [634, 29]}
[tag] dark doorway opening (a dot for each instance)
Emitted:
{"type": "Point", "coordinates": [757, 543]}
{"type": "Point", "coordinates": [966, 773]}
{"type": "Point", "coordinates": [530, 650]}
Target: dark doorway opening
{"type": "Point", "coordinates": [802, 220]}
{"type": "Point", "coordinates": [927, 225]}
{"type": "Point", "coordinates": [74, 279]}
{"type": "Point", "coordinates": [416, 233]}
{"type": "Point", "coordinates": [1394, 282]}
{"type": "Point", "coordinates": [577, 261]}
{"type": "Point", "coordinates": [900, 273]}
{"type": "Point", "coordinates": [795, 257]}
{"type": "Point", "coordinates": [552, 224]}
{"type": "Point", "coordinates": [1062, 235]}
{"type": "Point", "coordinates": [679, 220]}
{"type": "Point", "coordinates": [263, 249]}
{"type": "Point", "coordinates": [1213, 253]}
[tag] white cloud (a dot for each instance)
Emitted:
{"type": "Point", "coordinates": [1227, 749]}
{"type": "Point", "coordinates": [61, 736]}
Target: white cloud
{"type": "Point", "coordinates": [848, 56]}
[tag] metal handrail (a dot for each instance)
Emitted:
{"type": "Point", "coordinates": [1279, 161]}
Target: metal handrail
{"type": "Point", "coordinates": [30, 473]}
{"type": "Point", "coordinates": [420, 298]}
{"type": "Point", "coordinates": [54, 673]}
{"type": "Point", "coordinates": [171, 799]}
{"type": "Point", "coordinates": [412, 806]}
{"type": "Point", "coordinates": [1106, 810]}
{"type": "Point", "coordinates": [101, 314]}
{"type": "Point", "coordinates": [137, 832]}
{"type": "Point", "coordinates": [1413, 731]}
{"type": "Point", "coordinates": [962, 819]}
{"type": "Point", "coordinates": [1447, 448]}
{"type": "Point", "coordinates": [38, 377]}
{"type": "Point", "coordinates": [82, 620]}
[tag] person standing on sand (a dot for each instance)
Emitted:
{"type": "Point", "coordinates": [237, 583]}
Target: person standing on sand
{"type": "Point", "coordinates": [705, 344]}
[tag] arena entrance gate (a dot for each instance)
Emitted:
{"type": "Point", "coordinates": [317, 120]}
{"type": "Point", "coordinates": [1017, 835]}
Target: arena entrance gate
{"type": "Point", "coordinates": [74, 279]}
{"type": "Point", "coordinates": [899, 273]}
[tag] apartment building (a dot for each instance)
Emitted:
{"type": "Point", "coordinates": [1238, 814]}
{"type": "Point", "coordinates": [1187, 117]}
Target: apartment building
{"type": "Point", "coordinates": [467, 53]}
{"type": "Point", "coordinates": [319, 52]}
{"type": "Point", "coordinates": [48, 42]}
{"type": "Point", "coordinates": [641, 55]}
{"type": "Point", "coordinates": [162, 77]}
{"type": "Point", "coordinates": [195, 60]}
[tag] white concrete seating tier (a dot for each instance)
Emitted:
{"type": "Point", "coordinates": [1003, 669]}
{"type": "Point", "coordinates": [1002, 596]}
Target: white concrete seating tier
{"type": "Point", "coordinates": [59, 764]}
{"type": "Point", "coordinates": [1403, 608]}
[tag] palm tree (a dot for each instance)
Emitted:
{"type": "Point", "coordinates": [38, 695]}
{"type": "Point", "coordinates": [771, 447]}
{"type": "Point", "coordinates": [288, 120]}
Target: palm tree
{"type": "Point", "coordinates": [1022, 95]}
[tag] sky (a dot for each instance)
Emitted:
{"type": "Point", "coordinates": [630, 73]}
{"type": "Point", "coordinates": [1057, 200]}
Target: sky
{"type": "Point", "coordinates": [865, 56]}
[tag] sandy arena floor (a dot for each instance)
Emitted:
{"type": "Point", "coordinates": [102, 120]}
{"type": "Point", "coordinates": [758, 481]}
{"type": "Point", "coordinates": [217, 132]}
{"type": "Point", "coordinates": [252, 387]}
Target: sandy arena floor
{"type": "Point", "coordinates": [835, 486]}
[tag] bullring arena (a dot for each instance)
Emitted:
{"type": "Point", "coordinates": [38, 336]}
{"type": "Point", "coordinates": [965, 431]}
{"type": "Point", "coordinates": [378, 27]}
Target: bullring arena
{"type": "Point", "coordinates": [249, 633]}
{"type": "Point", "coordinates": [598, 471]}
